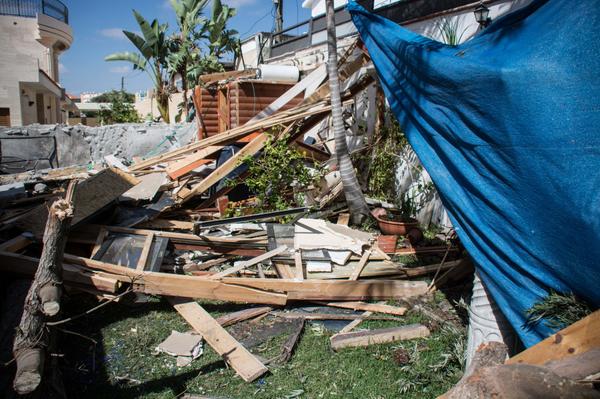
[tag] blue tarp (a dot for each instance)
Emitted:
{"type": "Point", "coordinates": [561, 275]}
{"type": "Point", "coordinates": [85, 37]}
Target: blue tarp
{"type": "Point", "coordinates": [507, 125]}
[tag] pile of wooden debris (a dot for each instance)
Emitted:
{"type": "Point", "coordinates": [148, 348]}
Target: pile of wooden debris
{"type": "Point", "coordinates": [158, 227]}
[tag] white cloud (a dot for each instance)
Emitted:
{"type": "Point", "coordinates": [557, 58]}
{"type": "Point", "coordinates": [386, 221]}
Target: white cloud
{"type": "Point", "coordinates": [62, 68]}
{"type": "Point", "coordinates": [239, 3]}
{"type": "Point", "coordinates": [120, 69]}
{"type": "Point", "coordinates": [113, 33]}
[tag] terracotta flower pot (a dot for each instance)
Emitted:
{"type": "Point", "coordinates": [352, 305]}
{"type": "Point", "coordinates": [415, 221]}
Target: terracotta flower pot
{"type": "Point", "coordinates": [395, 225]}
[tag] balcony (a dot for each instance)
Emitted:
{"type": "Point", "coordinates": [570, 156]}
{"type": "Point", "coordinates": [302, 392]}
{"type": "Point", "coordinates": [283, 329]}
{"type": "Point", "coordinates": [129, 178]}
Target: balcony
{"type": "Point", "coordinates": [31, 8]}
{"type": "Point", "coordinates": [313, 31]}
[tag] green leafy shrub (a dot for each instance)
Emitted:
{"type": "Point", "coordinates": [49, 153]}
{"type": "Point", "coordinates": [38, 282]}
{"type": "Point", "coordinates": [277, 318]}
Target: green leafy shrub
{"type": "Point", "coordinates": [278, 177]}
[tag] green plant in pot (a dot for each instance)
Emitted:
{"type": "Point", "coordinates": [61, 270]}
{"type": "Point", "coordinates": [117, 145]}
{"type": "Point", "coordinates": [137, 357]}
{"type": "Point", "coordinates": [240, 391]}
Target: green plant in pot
{"type": "Point", "coordinates": [400, 221]}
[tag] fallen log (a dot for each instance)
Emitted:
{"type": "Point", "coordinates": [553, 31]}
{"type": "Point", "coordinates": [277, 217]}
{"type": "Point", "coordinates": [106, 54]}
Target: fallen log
{"type": "Point", "coordinates": [43, 298]}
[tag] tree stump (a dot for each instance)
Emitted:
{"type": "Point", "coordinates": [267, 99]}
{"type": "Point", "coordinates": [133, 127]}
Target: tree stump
{"type": "Point", "coordinates": [43, 299]}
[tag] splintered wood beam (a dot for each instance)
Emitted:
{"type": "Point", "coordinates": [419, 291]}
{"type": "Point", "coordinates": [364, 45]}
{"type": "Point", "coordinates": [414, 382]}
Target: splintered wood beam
{"type": "Point", "coordinates": [283, 270]}
{"type": "Point", "coordinates": [371, 307]}
{"type": "Point", "coordinates": [361, 265]}
{"type": "Point", "coordinates": [239, 358]}
{"type": "Point", "coordinates": [575, 339]}
{"type": "Point", "coordinates": [248, 263]}
{"type": "Point", "coordinates": [242, 315]}
{"type": "Point", "coordinates": [72, 275]}
{"type": "Point", "coordinates": [185, 165]}
{"type": "Point", "coordinates": [257, 290]}
{"type": "Point", "coordinates": [380, 336]}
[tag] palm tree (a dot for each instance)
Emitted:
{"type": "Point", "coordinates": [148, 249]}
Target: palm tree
{"type": "Point", "coordinates": [354, 197]}
{"type": "Point", "coordinates": [153, 50]}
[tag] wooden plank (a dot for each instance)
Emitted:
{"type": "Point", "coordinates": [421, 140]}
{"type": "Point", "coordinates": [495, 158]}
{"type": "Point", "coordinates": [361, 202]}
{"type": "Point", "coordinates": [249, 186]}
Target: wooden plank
{"type": "Point", "coordinates": [343, 219]}
{"type": "Point", "coordinates": [146, 190]}
{"type": "Point", "coordinates": [361, 265]}
{"type": "Point", "coordinates": [15, 244]}
{"type": "Point", "coordinates": [191, 267]}
{"type": "Point", "coordinates": [72, 275]}
{"type": "Point", "coordinates": [239, 358]}
{"type": "Point", "coordinates": [318, 75]}
{"type": "Point", "coordinates": [299, 265]}
{"type": "Point", "coordinates": [575, 339]}
{"type": "Point", "coordinates": [227, 167]}
{"type": "Point", "coordinates": [336, 290]}
{"type": "Point", "coordinates": [380, 336]}
{"type": "Point", "coordinates": [242, 315]}
{"type": "Point", "coordinates": [185, 165]}
{"type": "Point", "coordinates": [92, 195]}
{"type": "Point", "coordinates": [248, 263]}
{"type": "Point", "coordinates": [268, 291]}
{"type": "Point", "coordinates": [371, 307]}
{"type": "Point", "coordinates": [283, 270]}
{"type": "Point", "coordinates": [167, 224]}
{"type": "Point", "coordinates": [141, 265]}
{"type": "Point", "coordinates": [180, 285]}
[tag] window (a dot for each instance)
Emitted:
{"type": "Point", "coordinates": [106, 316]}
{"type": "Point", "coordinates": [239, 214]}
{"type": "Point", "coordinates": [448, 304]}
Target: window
{"type": "Point", "coordinates": [5, 117]}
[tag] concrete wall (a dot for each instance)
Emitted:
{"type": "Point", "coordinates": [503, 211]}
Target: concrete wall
{"type": "Point", "coordinates": [44, 146]}
{"type": "Point", "coordinates": [147, 106]}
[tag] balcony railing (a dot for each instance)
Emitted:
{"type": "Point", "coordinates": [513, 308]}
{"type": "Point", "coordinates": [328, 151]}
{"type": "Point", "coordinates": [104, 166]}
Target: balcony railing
{"type": "Point", "coordinates": [311, 31]}
{"type": "Point", "coordinates": [31, 8]}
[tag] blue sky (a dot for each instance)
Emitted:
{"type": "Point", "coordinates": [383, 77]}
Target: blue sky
{"type": "Point", "coordinates": [97, 27]}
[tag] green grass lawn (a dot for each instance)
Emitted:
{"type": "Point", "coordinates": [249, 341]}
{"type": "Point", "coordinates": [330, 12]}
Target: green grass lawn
{"type": "Point", "coordinates": [123, 363]}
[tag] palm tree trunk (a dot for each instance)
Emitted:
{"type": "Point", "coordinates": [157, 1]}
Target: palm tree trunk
{"type": "Point", "coordinates": [354, 197]}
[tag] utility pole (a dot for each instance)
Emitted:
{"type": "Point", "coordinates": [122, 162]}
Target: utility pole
{"type": "Point", "coordinates": [122, 83]}
{"type": "Point", "coordinates": [278, 18]}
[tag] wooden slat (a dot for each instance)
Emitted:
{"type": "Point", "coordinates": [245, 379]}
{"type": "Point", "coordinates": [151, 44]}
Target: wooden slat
{"type": "Point", "coordinates": [248, 263]}
{"type": "Point", "coordinates": [99, 240]}
{"type": "Point", "coordinates": [239, 358]}
{"type": "Point", "coordinates": [381, 336]}
{"type": "Point", "coordinates": [242, 315]}
{"type": "Point", "coordinates": [299, 265]}
{"type": "Point", "coordinates": [576, 339]}
{"type": "Point", "coordinates": [141, 265]}
{"type": "Point", "coordinates": [15, 244]}
{"type": "Point", "coordinates": [209, 78]}
{"type": "Point", "coordinates": [361, 265]}
{"type": "Point", "coordinates": [250, 149]}
{"type": "Point", "coordinates": [372, 307]}
{"type": "Point", "coordinates": [179, 168]}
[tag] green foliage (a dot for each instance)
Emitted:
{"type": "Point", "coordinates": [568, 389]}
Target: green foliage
{"type": "Point", "coordinates": [153, 47]}
{"type": "Point", "coordinates": [383, 161]}
{"type": "Point", "coordinates": [278, 177]}
{"type": "Point", "coordinates": [558, 310]}
{"type": "Point", "coordinates": [119, 111]}
{"type": "Point", "coordinates": [113, 95]}
{"type": "Point", "coordinates": [449, 30]}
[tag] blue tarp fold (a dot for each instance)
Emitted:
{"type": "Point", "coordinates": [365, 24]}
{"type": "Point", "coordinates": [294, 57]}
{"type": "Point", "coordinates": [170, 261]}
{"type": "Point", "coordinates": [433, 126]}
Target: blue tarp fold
{"type": "Point", "coordinates": [507, 125]}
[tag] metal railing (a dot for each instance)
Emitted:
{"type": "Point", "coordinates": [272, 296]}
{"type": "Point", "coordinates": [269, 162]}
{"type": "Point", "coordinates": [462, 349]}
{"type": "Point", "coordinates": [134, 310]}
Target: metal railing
{"type": "Point", "coordinates": [31, 8]}
{"type": "Point", "coordinates": [399, 11]}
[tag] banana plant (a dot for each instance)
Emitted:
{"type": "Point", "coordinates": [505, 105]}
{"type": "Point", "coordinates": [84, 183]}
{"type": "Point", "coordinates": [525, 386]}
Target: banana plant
{"type": "Point", "coordinates": [221, 40]}
{"type": "Point", "coordinates": [185, 50]}
{"type": "Point", "coordinates": [153, 47]}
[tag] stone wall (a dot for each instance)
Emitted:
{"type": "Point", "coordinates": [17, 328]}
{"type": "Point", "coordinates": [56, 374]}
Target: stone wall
{"type": "Point", "coordinates": [45, 146]}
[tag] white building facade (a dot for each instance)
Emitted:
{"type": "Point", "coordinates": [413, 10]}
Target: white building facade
{"type": "Point", "coordinates": [33, 34]}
